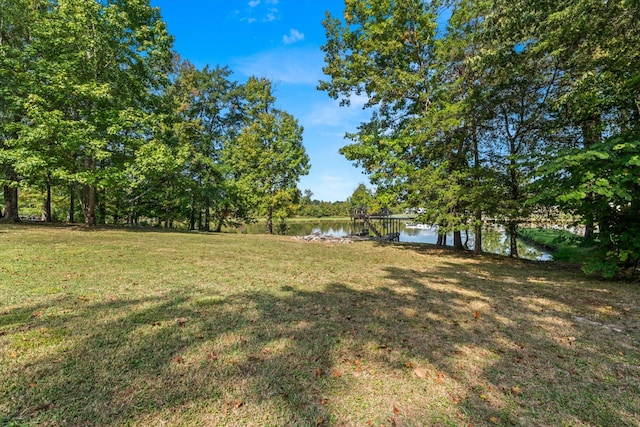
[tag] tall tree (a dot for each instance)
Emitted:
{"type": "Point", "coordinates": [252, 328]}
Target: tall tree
{"type": "Point", "coordinates": [388, 51]}
{"type": "Point", "coordinates": [94, 85]}
{"type": "Point", "coordinates": [596, 107]}
{"type": "Point", "coordinates": [466, 186]}
{"type": "Point", "coordinates": [267, 157]}
{"type": "Point", "coordinates": [18, 21]}
{"type": "Point", "coordinates": [211, 104]}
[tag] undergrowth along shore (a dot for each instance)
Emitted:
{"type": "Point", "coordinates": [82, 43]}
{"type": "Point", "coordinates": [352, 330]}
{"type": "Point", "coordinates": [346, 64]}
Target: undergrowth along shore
{"type": "Point", "coordinates": [564, 245]}
{"type": "Point", "coordinates": [145, 327]}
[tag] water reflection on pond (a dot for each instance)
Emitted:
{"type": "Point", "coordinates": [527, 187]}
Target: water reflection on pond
{"type": "Point", "coordinates": [494, 240]}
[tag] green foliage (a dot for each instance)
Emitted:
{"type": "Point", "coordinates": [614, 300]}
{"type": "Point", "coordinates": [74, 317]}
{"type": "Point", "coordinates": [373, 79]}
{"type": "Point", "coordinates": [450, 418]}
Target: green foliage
{"type": "Point", "coordinates": [507, 107]}
{"type": "Point", "coordinates": [318, 209]}
{"type": "Point", "coordinates": [566, 246]}
{"type": "Point", "coordinates": [362, 197]}
{"type": "Point", "coordinates": [95, 106]}
{"type": "Point", "coordinates": [267, 157]}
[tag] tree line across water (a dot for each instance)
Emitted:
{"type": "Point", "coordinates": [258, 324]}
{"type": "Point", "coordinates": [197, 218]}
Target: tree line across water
{"type": "Point", "coordinates": [478, 109]}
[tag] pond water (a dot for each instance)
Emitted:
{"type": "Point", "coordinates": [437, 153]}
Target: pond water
{"type": "Point", "coordinates": [494, 239]}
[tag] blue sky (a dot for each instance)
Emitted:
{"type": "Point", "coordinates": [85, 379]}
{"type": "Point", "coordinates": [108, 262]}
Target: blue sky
{"type": "Point", "coordinates": [279, 40]}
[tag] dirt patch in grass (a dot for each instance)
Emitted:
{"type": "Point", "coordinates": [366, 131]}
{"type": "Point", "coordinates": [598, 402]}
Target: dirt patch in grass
{"type": "Point", "coordinates": [119, 327]}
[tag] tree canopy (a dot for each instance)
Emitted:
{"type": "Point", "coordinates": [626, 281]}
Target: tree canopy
{"type": "Point", "coordinates": [98, 111]}
{"type": "Point", "coordinates": [496, 109]}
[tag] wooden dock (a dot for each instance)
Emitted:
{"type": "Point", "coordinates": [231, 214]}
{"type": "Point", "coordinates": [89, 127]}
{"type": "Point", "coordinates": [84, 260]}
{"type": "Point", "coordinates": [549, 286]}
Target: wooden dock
{"type": "Point", "coordinates": [380, 226]}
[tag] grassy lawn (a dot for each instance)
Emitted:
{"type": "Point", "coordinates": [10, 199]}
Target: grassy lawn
{"type": "Point", "coordinates": [150, 328]}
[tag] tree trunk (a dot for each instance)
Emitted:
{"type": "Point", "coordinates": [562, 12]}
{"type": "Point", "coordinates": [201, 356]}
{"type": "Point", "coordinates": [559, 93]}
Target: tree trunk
{"type": "Point", "coordinates": [89, 205]}
{"type": "Point", "coordinates": [270, 220]}
{"type": "Point", "coordinates": [101, 204]}
{"type": "Point", "coordinates": [192, 213]}
{"type": "Point", "coordinates": [116, 212]}
{"type": "Point", "coordinates": [10, 204]}
{"type": "Point", "coordinates": [207, 215]}
{"type": "Point", "coordinates": [46, 205]}
{"type": "Point", "coordinates": [89, 199]}
{"type": "Point", "coordinates": [457, 240]}
{"type": "Point", "coordinates": [477, 241]}
{"type": "Point", "coordinates": [512, 230]}
{"type": "Point", "coordinates": [72, 204]}
{"type": "Point", "coordinates": [588, 226]}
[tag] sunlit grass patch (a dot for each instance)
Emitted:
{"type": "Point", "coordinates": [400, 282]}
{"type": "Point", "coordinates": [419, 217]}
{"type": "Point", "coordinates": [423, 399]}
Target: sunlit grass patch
{"type": "Point", "coordinates": [117, 327]}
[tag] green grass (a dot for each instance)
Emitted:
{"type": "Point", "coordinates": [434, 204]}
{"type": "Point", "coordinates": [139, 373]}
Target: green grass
{"type": "Point", "coordinates": [126, 327]}
{"type": "Point", "coordinates": [565, 245]}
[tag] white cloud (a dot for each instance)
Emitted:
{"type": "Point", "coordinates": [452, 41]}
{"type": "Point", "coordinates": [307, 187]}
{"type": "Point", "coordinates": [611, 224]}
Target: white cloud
{"type": "Point", "coordinates": [293, 36]}
{"type": "Point", "coordinates": [270, 16]}
{"type": "Point", "coordinates": [254, 12]}
{"type": "Point", "coordinates": [294, 66]}
{"type": "Point", "coordinates": [330, 113]}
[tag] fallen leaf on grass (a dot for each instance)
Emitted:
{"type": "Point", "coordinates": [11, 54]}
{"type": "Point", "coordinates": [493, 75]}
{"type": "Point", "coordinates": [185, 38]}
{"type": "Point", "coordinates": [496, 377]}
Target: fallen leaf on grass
{"type": "Point", "coordinates": [318, 372]}
{"type": "Point", "coordinates": [336, 373]}
{"type": "Point", "coordinates": [476, 314]}
{"type": "Point", "coordinates": [396, 410]}
{"type": "Point", "coordinates": [178, 359]}
{"type": "Point", "coordinates": [420, 372]}
{"type": "Point", "coordinates": [181, 321]}
{"type": "Point", "coordinates": [213, 356]}
{"type": "Point", "coordinates": [238, 404]}
{"type": "Point", "coordinates": [516, 390]}
{"type": "Point", "coordinates": [494, 420]}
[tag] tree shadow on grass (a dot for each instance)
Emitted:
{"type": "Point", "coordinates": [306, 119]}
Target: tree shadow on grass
{"type": "Point", "coordinates": [455, 344]}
